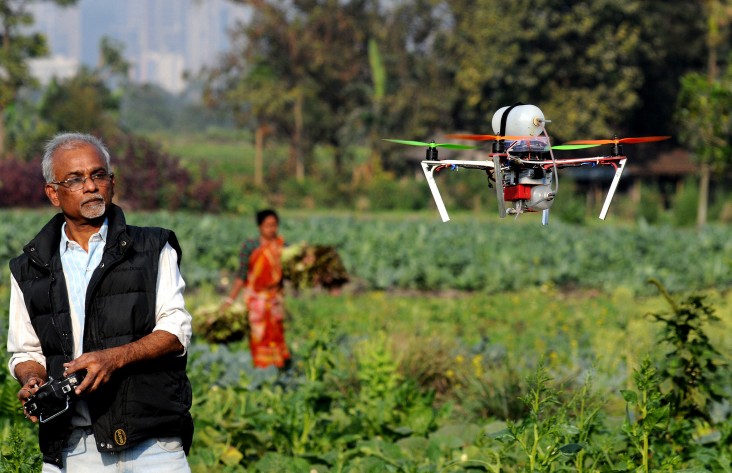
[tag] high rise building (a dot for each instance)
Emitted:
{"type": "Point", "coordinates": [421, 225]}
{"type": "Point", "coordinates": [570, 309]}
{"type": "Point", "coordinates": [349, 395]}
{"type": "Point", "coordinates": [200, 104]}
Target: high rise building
{"type": "Point", "coordinates": [162, 39]}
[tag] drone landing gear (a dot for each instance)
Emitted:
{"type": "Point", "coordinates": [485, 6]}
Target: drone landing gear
{"type": "Point", "coordinates": [429, 170]}
{"type": "Point", "coordinates": [613, 186]}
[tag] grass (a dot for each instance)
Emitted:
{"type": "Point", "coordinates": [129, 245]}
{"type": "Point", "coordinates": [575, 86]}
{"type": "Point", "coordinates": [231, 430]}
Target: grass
{"type": "Point", "coordinates": [230, 154]}
{"type": "Point", "coordinates": [227, 154]}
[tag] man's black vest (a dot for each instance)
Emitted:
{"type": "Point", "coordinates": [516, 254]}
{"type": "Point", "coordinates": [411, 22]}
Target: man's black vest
{"type": "Point", "coordinates": [147, 400]}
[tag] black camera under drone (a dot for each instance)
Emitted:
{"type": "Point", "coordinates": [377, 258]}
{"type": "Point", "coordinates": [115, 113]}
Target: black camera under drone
{"type": "Point", "coordinates": [54, 398]}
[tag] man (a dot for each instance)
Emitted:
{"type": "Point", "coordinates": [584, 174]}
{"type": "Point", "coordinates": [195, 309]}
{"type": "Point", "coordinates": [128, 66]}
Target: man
{"type": "Point", "coordinates": [95, 296]}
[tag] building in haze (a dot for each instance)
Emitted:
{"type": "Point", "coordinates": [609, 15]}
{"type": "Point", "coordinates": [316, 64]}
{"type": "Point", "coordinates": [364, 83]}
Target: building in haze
{"type": "Point", "coordinates": [162, 39]}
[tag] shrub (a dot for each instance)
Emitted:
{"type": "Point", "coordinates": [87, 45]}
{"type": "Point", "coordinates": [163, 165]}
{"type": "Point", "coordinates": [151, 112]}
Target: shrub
{"type": "Point", "coordinates": [21, 183]}
{"type": "Point", "coordinates": [685, 204]}
{"type": "Point", "coordinates": [152, 179]}
{"type": "Point", "coordinates": [148, 178]}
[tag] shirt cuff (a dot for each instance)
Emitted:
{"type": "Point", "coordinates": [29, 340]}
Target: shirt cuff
{"type": "Point", "coordinates": [19, 358]}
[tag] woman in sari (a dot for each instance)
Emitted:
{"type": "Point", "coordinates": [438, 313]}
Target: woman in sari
{"type": "Point", "coordinates": [260, 276]}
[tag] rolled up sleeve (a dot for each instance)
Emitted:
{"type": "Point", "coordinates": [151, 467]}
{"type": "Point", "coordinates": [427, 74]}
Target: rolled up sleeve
{"type": "Point", "coordinates": [23, 343]}
{"type": "Point", "coordinates": [170, 311]}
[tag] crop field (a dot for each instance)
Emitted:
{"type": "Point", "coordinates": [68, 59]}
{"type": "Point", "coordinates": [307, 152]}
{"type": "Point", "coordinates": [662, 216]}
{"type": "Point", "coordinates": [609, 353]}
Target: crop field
{"type": "Point", "coordinates": [475, 345]}
{"type": "Point", "coordinates": [467, 254]}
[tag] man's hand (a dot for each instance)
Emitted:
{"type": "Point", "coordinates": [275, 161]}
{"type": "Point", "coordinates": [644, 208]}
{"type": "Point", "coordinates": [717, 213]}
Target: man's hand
{"type": "Point", "coordinates": [29, 389]}
{"type": "Point", "coordinates": [32, 376]}
{"type": "Point", "coordinates": [100, 365]}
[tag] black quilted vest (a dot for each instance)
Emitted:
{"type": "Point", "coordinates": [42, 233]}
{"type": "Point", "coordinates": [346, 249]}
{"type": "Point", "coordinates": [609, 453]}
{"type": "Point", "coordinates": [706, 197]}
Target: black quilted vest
{"type": "Point", "coordinates": [151, 399]}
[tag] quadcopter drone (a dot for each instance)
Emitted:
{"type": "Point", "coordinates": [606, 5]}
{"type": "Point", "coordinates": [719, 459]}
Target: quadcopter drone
{"type": "Point", "coordinates": [522, 167]}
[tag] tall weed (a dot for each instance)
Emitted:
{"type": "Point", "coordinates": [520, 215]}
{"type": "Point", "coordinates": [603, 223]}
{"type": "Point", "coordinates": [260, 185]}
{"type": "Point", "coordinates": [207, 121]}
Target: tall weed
{"type": "Point", "coordinates": [696, 381]}
{"type": "Point", "coordinates": [16, 455]}
{"type": "Point", "coordinates": [544, 436]}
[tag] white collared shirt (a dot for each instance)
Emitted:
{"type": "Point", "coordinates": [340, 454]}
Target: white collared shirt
{"type": "Point", "coordinates": [78, 267]}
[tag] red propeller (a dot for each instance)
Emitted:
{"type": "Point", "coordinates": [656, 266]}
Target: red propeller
{"type": "Point", "coordinates": [643, 139]}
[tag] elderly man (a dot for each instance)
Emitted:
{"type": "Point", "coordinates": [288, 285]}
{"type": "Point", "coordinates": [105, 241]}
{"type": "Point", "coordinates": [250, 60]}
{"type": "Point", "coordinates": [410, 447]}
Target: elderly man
{"type": "Point", "coordinates": [94, 296]}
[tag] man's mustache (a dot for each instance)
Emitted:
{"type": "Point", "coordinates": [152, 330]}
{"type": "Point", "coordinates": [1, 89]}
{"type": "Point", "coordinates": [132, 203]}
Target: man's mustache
{"type": "Point", "coordinates": [92, 198]}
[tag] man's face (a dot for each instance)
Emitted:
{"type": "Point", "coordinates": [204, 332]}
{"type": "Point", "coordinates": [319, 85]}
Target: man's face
{"type": "Point", "coordinates": [92, 200]}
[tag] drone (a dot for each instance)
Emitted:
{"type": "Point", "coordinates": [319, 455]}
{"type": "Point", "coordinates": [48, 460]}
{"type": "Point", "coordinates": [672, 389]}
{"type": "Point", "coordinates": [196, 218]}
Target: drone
{"type": "Point", "coordinates": [522, 167]}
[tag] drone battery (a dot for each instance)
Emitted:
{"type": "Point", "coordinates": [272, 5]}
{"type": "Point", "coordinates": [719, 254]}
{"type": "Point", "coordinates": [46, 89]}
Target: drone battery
{"type": "Point", "coordinates": [517, 192]}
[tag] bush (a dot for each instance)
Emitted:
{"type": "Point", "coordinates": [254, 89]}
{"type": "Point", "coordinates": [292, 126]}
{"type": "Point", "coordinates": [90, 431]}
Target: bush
{"type": "Point", "coordinates": [651, 205]}
{"type": "Point", "coordinates": [148, 179]}
{"type": "Point", "coordinates": [387, 193]}
{"type": "Point", "coordinates": [685, 204]}
{"type": "Point", "coordinates": [152, 179]}
{"type": "Point", "coordinates": [570, 206]}
{"type": "Point", "coordinates": [21, 183]}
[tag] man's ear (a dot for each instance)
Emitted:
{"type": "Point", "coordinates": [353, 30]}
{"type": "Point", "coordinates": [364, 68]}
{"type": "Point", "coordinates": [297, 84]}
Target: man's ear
{"type": "Point", "coordinates": [52, 194]}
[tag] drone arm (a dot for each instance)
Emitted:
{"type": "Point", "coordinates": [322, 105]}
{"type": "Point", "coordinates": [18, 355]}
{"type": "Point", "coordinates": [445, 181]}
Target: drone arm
{"type": "Point", "coordinates": [613, 187]}
{"type": "Point", "coordinates": [428, 173]}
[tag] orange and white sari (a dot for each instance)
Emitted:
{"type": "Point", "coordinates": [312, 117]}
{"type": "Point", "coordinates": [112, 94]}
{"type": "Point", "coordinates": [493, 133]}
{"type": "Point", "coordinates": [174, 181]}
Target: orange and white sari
{"type": "Point", "coordinates": [265, 307]}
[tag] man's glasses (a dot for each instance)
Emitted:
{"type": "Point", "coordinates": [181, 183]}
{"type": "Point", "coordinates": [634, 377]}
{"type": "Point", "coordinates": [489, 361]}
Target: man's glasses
{"type": "Point", "coordinates": [100, 178]}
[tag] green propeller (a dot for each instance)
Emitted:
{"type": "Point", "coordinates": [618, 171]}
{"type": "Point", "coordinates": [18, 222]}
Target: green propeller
{"type": "Point", "coordinates": [570, 147]}
{"type": "Point", "coordinates": [431, 144]}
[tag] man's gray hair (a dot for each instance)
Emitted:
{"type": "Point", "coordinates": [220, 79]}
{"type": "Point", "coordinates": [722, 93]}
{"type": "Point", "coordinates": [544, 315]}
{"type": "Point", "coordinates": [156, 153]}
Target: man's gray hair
{"type": "Point", "coordinates": [66, 141]}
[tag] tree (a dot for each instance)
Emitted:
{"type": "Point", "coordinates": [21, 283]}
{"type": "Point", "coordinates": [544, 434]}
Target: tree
{"type": "Point", "coordinates": [412, 92]}
{"type": "Point", "coordinates": [88, 101]}
{"type": "Point", "coordinates": [347, 73]}
{"type": "Point", "coordinates": [705, 126]}
{"type": "Point", "coordinates": [81, 103]}
{"type": "Point", "coordinates": [112, 63]}
{"type": "Point", "coordinates": [308, 68]}
{"type": "Point", "coordinates": [678, 49]}
{"type": "Point", "coordinates": [704, 108]}
{"type": "Point", "coordinates": [84, 102]}
{"type": "Point", "coordinates": [252, 89]}
{"type": "Point", "coordinates": [263, 80]}
{"type": "Point", "coordinates": [17, 48]}
{"type": "Point", "coordinates": [147, 108]}
{"type": "Point", "coordinates": [580, 60]}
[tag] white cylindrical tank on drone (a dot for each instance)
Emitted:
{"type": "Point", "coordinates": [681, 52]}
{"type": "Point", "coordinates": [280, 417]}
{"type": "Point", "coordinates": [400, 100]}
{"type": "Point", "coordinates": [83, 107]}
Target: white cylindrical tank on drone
{"type": "Point", "coordinates": [522, 120]}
